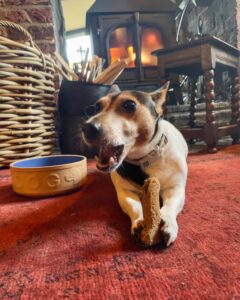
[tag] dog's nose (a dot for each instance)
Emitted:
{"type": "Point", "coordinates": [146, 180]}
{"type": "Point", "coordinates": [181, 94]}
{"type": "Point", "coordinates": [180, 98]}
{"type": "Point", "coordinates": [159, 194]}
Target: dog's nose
{"type": "Point", "coordinates": [92, 131]}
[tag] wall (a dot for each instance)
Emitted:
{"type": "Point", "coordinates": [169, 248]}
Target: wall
{"type": "Point", "coordinates": [221, 19]}
{"type": "Point", "coordinates": [36, 16]}
{"type": "Point", "coordinates": [75, 13]}
{"type": "Point", "coordinates": [238, 22]}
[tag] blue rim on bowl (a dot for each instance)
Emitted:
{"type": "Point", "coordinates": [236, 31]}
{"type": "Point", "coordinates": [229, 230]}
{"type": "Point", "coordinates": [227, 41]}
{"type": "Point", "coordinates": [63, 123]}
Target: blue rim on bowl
{"type": "Point", "coordinates": [52, 161]}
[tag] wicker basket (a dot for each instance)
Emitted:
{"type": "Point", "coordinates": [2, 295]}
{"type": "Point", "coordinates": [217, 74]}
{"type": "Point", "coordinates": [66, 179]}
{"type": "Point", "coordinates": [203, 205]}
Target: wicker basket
{"type": "Point", "coordinates": [27, 106]}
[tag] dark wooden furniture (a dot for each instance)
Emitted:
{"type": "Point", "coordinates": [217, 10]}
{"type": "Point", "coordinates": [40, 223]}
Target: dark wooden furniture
{"type": "Point", "coordinates": [201, 57]}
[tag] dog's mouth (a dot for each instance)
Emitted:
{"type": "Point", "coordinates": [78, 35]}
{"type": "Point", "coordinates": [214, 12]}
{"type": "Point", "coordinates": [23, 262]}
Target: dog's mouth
{"type": "Point", "coordinates": [109, 157]}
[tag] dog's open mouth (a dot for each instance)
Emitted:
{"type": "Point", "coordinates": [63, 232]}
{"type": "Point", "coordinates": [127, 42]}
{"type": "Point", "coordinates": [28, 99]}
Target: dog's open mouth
{"type": "Point", "coordinates": [108, 157]}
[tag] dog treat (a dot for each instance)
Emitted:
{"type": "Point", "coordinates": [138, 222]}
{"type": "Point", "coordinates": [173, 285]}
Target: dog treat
{"type": "Point", "coordinates": [150, 234]}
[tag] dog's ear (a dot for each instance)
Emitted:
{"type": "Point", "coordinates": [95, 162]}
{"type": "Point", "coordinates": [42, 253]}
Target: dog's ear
{"type": "Point", "coordinates": [114, 89]}
{"type": "Point", "coordinates": [160, 96]}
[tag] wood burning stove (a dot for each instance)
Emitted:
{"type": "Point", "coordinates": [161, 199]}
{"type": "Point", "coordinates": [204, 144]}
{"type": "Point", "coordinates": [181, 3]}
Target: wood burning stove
{"type": "Point", "coordinates": [132, 28]}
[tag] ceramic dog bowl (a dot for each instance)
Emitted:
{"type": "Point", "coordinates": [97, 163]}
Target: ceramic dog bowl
{"type": "Point", "coordinates": [49, 175]}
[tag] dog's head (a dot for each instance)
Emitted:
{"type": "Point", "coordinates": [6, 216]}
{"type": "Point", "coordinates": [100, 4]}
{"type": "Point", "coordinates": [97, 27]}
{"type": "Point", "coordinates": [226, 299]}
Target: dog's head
{"type": "Point", "coordinates": [123, 122]}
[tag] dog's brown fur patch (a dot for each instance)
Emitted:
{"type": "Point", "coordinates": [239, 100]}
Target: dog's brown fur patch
{"type": "Point", "coordinates": [143, 116]}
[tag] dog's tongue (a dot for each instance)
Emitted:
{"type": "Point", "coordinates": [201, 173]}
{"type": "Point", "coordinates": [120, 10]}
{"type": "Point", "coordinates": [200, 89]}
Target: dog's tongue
{"type": "Point", "coordinates": [106, 155]}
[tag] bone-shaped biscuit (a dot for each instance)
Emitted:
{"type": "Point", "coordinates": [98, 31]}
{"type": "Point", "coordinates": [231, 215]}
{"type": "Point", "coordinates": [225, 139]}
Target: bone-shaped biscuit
{"type": "Point", "coordinates": [150, 234]}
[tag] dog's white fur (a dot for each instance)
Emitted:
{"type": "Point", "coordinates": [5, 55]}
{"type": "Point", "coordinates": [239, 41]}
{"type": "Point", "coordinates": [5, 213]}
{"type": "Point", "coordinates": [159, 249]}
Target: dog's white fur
{"type": "Point", "coordinates": [170, 169]}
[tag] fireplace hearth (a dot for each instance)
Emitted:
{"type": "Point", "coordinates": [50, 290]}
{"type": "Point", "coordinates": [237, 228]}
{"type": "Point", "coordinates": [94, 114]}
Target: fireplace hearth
{"type": "Point", "coordinates": [132, 28]}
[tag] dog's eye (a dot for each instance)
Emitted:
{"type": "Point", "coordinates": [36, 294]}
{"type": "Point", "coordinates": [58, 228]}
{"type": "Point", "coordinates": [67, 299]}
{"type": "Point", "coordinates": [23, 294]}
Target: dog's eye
{"type": "Point", "coordinates": [129, 106]}
{"type": "Point", "coordinates": [98, 107]}
{"type": "Point", "coordinates": [92, 110]}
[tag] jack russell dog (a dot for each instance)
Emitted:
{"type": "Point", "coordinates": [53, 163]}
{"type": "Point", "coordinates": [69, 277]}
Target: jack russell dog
{"type": "Point", "coordinates": [135, 143]}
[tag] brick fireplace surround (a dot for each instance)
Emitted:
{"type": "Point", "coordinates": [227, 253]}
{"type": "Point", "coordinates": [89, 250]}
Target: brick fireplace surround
{"type": "Point", "coordinates": [220, 18]}
{"type": "Point", "coordinates": [42, 18]}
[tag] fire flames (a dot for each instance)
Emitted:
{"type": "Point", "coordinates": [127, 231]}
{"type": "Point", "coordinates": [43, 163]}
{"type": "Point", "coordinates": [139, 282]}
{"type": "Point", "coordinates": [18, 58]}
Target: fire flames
{"type": "Point", "coordinates": [121, 53]}
{"type": "Point", "coordinates": [121, 47]}
{"type": "Point", "coordinates": [151, 40]}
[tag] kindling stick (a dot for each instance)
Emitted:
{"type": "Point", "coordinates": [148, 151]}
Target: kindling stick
{"type": "Point", "coordinates": [84, 65]}
{"type": "Point", "coordinates": [91, 71]}
{"type": "Point", "coordinates": [65, 65]}
{"type": "Point", "coordinates": [109, 75]}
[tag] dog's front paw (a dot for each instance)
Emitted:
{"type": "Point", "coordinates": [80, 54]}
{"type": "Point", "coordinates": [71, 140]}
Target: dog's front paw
{"type": "Point", "coordinates": [137, 228]}
{"type": "Point", "coordinates": [169, 229]}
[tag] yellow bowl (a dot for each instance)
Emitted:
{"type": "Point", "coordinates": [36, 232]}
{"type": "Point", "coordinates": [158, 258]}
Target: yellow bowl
{"type": "Point", "coordinates": [49, 175]}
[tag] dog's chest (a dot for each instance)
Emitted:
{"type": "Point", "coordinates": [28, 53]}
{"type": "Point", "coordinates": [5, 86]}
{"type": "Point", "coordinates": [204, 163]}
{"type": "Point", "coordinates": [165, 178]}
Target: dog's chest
{"type": "Point", "coordinates": [138, 175]}
{"type": "Point", "coordinates": [132, 173]}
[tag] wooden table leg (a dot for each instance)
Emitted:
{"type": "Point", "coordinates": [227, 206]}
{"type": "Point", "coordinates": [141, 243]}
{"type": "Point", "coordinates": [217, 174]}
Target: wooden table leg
{"type": "Point", "coordinates": [235, 110]}
{"type": "Point", "coordinates": [193, 104]}
{"type": "Point", "coordinates": [176, 88]}
{"type": "Point", "coordinates": [210, 127]}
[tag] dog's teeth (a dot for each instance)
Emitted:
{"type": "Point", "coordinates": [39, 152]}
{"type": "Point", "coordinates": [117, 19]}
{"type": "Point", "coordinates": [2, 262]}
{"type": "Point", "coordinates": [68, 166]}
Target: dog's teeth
{"type": "Point", "coordinates": [96, 158]}
{"type": "Point", "coordinates": [111, 161]}
{"type": "Point", "coordinates": [102, 165]}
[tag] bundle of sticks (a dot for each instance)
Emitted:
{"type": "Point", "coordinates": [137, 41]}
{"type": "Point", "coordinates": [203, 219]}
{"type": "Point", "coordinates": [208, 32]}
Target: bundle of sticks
{"type": "Point", "coordinates": [91, 70]}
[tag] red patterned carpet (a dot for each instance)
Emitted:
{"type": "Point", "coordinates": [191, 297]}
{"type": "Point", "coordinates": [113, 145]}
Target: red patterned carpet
{"type": "Point", "coordinates": [79, 246]}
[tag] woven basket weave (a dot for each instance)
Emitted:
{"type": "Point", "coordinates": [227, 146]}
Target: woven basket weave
{"type": "Point", "coordinates": [27, 107]}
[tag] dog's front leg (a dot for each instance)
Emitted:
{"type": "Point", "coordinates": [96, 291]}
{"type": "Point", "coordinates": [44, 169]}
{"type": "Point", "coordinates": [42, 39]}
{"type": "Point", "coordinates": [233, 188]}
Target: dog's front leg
{"type": "Point", "coordinates": [132, 206]}
{"type": "Point", "coordinates": [129, 200]}
{"type": "Point", "coordinates": [173, 201]}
